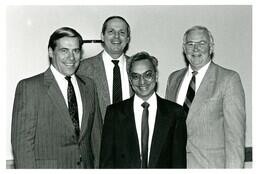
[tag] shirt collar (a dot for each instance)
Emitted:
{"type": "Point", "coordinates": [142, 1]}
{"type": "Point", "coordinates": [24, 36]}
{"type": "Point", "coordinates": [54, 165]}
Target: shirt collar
{"type": "Point", "coordinates": [57, 74]}
{"type": "Point", "coordinates": [108, 57]}
{"type": "Point", "coordinates": [151, 101]}
{"type": "Point", "coordinates": [201, 70]}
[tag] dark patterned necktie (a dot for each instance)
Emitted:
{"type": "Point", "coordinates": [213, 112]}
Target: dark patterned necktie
{"type": "Point", "coordinates": [144, 136]}
{"type": "Point", "coordinates": [72, 105]}
{"type": "Point", "coordinates": [117, 84]}
{"type": "Point", "coordinates": [190, 93]}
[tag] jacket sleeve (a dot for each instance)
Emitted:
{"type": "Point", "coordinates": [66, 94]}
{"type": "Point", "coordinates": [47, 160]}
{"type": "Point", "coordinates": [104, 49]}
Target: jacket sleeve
{"type": "Point", "coordinates": [107, 142]}
{"type": "Point", "coordinates": [23, 128]}
{"type": "Point", "coordinates": [96, 131]}
{"type": "Point", "coordinates": [179, 141]}
{"type": "Point", "coordinates": [234, 122]}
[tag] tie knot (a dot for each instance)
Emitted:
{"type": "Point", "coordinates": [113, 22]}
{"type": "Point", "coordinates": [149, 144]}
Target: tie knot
{"type": "Point", "coordinates": [115, 62]}
{"type": "Point", "coordinates": [68, 78]}
{"type": "Point", "coordinates": [145, 105]}
{"type": "Point", "coordinates": [194, 73]}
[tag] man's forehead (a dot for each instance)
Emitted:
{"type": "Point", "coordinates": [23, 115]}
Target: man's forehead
{"type": "Point", "coordinates": [142, 66]}
{"type": "Point", "coordinates": [197, 34]}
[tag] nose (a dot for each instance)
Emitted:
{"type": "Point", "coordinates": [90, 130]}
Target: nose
{"type": "Point", "coordinates": [195, 48]}
{"type": "Point", "coordinates": [116, 35]}
{"type": "Point", "coordinates": [141, 80]}
{"type": "Point", "coordinates": [71, 55]}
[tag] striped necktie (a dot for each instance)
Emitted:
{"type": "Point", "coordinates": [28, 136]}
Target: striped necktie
{"type": "Point", "coordinates": [190, 93]}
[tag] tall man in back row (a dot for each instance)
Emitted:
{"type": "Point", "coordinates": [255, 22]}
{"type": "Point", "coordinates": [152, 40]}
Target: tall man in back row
{"type": "Point", "coordinates": [109, 68]}
{"type": "Point", "coordinates": [214, 100]}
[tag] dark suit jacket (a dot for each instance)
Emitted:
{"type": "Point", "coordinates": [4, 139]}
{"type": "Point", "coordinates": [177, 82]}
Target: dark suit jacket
{"type": "Point", "coordinates": [42, 132]}
{"type": "Point", "coordinates": [120, 146]}
{"type": "Point", "coordinates": [216, 119]}
{"type": "Point", "coordinates": [94, 68]}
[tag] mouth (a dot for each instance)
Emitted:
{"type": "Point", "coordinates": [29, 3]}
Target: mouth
{"type": "Point", "coordinates": [143, 88]}
{"type": "Point", "coordinates": [196, 55]}
{"type": "Point", "coordinates": [70, 64]}
{"type": "Point", "coordinates": [116, 42]}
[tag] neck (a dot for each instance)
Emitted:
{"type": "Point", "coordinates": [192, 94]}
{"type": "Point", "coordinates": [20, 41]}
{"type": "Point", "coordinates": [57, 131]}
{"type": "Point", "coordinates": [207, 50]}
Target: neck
{"type": "Point", "coordinates": [114, 56]}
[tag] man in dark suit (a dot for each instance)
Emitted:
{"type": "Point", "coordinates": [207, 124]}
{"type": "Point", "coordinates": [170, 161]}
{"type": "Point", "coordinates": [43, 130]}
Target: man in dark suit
{"type": "Point", "coordinates": [56, 121]}
{"type": "Point", "coordinates": [116, 37]}
{"type": "Point", "coordinates": [144, 131]}
{"type": "Point", "coordinates": [216, 112]}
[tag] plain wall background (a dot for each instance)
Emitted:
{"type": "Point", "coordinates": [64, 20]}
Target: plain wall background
{"type": "Point", "coordinates": [156, 29]}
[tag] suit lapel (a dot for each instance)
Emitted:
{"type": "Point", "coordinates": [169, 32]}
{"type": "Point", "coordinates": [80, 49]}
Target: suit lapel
{"type": "Point", "coordinates": [128, 61]}
{"type": "Point", "coordinates": [203, 93]}
{"type": "Point", "coordinates": [160, 132]}
{"type": "Point", "coordinates": [131, 138]}
{"type": "Point", "coordinates": [100, 75]}
{"type": "Point", "coordinates": [178, 83]}
{"type": "Point", "coordinates": [84, 96]}
{"type": "Point", "coordinates": [57, 98]}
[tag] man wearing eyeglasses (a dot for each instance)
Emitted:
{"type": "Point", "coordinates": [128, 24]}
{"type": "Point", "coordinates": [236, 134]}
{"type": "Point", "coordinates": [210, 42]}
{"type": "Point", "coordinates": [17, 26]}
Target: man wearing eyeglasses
{"type": "Point", "coordinates": [214, 100]}
{"type": "Point", "coordinates": [144, 131]}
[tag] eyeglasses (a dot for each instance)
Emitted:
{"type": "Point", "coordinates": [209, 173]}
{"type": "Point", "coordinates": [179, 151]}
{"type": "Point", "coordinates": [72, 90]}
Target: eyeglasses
{"type": "Point", "coordinates": [200, 44]}
{"type": "Point", "coordinates": [148, 76]}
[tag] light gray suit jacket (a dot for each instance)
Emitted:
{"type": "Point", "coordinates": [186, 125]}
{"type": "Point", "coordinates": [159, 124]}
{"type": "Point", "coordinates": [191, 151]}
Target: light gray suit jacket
{"type": "Point", "coordinates": [216, 119]}
{"type": "Point", "coordinates": [43, 134]}
{"type": "Point", "coordinates": [94, 68]}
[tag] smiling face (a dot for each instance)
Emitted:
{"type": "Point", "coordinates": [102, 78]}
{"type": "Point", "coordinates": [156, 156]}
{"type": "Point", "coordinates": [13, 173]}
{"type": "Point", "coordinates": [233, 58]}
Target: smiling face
{"type": "Point", "coordinates": [143, 78]}
{"type": "Point", "coordinates": [66, 55]}
{"type": "Point", "coordinates": [115, 37]}
{"type": "Point", "coordinates": [197, 48]}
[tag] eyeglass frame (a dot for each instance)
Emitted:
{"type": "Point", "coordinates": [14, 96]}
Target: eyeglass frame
{"type": "Point", "coordinates": [200, 45]}
{"type": "Point", "coordinates": [144, 75]}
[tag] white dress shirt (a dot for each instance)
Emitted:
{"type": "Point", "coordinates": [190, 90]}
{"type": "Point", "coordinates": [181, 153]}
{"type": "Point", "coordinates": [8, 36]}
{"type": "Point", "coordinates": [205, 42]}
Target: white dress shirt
{"type": "Point", "coordinates": [138, 110]}
{"type": "Point", "coordinates": [185, 83]}
{"type": "Point", "coordinates": [63, 85]}
{"type": "Point", "coordinates": [109, 65]}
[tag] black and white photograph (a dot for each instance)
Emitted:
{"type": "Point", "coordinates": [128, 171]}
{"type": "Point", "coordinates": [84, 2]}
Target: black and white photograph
{"type": "Point", "coordinates": [128, 86]}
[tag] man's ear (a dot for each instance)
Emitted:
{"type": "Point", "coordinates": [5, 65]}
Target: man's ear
{"type": "Point", "coordinates": [102, 37]}
{"type": "Point", "coordinates": [157, 76]}
{"type": "Point", "coordinates": [211, 48]}
{"type": "Point", "coordinates": [50, 52]}
{"type": "Point", "coordinates": [183, 47]}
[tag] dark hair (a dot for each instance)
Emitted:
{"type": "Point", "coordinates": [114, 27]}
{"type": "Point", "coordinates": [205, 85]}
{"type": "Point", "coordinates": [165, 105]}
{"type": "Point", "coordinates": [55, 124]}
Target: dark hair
{"type": "Point", "coordinates": [143, 56]}
{"type": "Point", "coordinates": [104, 27]}
{"type": "Point", "coordinates": [64, 32]}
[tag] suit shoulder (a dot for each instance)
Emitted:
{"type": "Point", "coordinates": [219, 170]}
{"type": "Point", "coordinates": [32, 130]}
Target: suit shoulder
{"type": "Point", "coordinates": [170, 103]}
{"type": "Point", "coordinates": [226, 75]}
{"type": "Point", "coordinates": [33, 79]}
{"type": "Point", "coordinates": [171, 107]}
{"type": "Point", "coordinates": [176, 73]}
{"type": "Point", "coordinates": [121, 104]}
{"type": "Point", "coordinates": [90, 60]}
{"type": "Point", "coordinates": [225, 70]}
{"type": "Point", "coordinates": [87, 80]}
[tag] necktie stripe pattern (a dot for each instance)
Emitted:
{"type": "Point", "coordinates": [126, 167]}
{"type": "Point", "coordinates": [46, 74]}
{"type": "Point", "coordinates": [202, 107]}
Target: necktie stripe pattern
{"type": "Point", "coordinates": [72, 105]}
{"type": "Point", "coordinates": [117, 84]}
{"type": "Point", "coordinates": [144, 136]}
{"type": "Point", "coordinates": [190, 93]}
